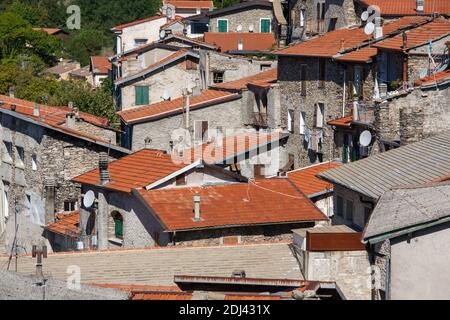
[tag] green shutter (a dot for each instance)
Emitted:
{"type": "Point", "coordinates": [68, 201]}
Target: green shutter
{"type": "Point", "coordinates": [118, 228]}
{"type": "Point", "coordinates": [223, 26]}
{"type": "Point", "coordinates": [142, 95]}
{"type": "Point", "coordinates": [265, 25]}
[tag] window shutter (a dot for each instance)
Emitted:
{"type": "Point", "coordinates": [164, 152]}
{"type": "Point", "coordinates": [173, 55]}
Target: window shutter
{"type": "Point", "coordinates": [265, 25]}
{"type": "Point", "coordinates": [303, 80]}
{"type": "Point", "coordinates": [142, 95]}
{"type": "Point", "coordinates": [223, 26]}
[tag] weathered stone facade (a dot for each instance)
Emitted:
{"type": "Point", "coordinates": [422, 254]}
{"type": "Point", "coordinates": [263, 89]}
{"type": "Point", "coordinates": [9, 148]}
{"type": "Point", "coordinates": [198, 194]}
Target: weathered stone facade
{"type": "Point", "coordinates": [245, 19]}
{"type": "Point", "coordinates": [36, 174]}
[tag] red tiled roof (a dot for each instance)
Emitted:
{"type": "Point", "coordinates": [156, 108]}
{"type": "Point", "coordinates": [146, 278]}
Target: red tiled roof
{"type": "Point", "coordinates": [442, 179]}
{"type": "Point", "coordinates": [408, 7]}
{"type": "Point", "coordinates": [417, 36]}
{"type": "Point", "coordinates": [134, 171]}
{"type": "Point", "coordinates": [433, 79]}
{"type": "Point", "coordinates": [267, 201]}
{"type": "Point", "coordinates": [138, 288]}
{"type": "Point", "coordinates": [191, 4]}
{"type": "Point", "coordinates": [307, 181]}
{"type": "Point", "coordinates": [66, 224]}
{"type": "Point", "coordinates": [173, 21]}
{"type": "Point", "coordinates": [252, 41]}
{"type": "Point", "coordinates": [50, 31]}
{"type": "Point", "coordinates": [251, 297]}
{"type": "Point", "coordinates": [360, 55]}
{"type": "Point", "coordinates": [263, 78]}
{"type": "Point", "coordinates": [175, 56]}
{"type": "Point", "coordinates": [166, 108]}
{"type": "Point", "coordinates": [130, 24]}
{"type": "Point", "coordinates": [100, 65]}
{"type": "Point", "coordinates": [171, 296]}
{"type": "Point", "coordinates": [342, 122]}
{"type": "Point", "coordinates": [331, 43]}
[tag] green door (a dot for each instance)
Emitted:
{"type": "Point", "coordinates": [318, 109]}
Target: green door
{"type": "Point", "coordinates": [142, 95]}
{"type": "Point", "coordinates": [265, 25]}
{"type": "Point", "coordinates": [223, 25]}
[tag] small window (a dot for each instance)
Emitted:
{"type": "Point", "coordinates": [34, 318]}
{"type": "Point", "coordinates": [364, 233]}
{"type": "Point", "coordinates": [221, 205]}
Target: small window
{"type": "Point", "coordinates": [258, 171]}
{"type": "Point", "coordinates": [140, 42]}
{"type": "Point", "coordinates": [349, 213]}
{"type": "Point", "coordinates": [303, 80]}
{"type": "Point", "coordinates": [34, 162]}
{"type": "Point", "coordinates": [265, 26]}
{"type": "Point", "coordinates": [264, 67]}
{"type": "Point", "coordinates": [70, 205]}
{"type": "Point", "coordinates": [320, 110]}
{"type": "Point", "coordinates": [322, 73]}
{"type": "Point", "coordinates": [181, 180]}
{"type": "Point", "coordinates": [332, 25]}
{"type": "Point", "coordinates": [8, 153]}
{"type": "Point", "coordinates": [142, 95]}
{"type": "Point", "coordinates": [302, 122]}
{"type": "Point", "coordinates": [291, 120]}
{"type": "Point", "coordinates": [218, 77]}
{"type": "Point", "coordinates": [222, 25]}
{"type": "Point", "coordinates": [340, 206]}
{"type": "Point", "coordinates": [20, 160]}
{"type": "Point", "coordinates": [302, 18]}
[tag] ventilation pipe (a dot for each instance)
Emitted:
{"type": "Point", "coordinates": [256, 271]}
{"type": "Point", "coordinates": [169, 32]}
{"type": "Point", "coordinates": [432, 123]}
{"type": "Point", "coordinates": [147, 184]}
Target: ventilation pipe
{"type": "Point", "coordinates": [103, 165]}
{"type": "Point", "coordinates": [240, 45]}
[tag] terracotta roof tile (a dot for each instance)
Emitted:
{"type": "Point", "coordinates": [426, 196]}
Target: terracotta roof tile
{"type": "Point", "coordinates": [161, 296]}
{"type": "Point", "coordinates": [267, 201]}
{"type": "Point", "coordinates": [100, 65]}
{"type": "Point", "coordinates": [173, 21]}
{"type": "Point", "coordinates": [134, 171]}
{"type": "Point", "coordinates": [66, 224]}
{"type": "Point", "coordinates": [191, 4]}
{"type": "Point", "coordinates": [360, 55]}
{"type": "Point", "coordinates": [307, 181]}
{"type": "Point", "coordinates": [263, 78]}
{"type": "Point", "coordinates": [408, 7]}
{"type": "Point", "coordinates": [251, 297]}
{"type": "Point", "coordinates": [434, 79]}
{"type": "Point", "coordinates": [165, 108]}
{"type": "Point", "coordinates": [50, 31]}
{"type": "Point", "coordinates": [337, 41]}
{"type": "Point", "coordinates": [252, 41]}
{"type": "Point", "coordinates": [342, 122]}
{"type": "Point", "coordinates": [417, 36]}
{"type": "Point", "coordinates": [130, 24]}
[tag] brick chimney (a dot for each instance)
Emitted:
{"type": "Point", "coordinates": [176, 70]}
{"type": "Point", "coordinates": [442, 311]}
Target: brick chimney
{"type": "Point", "coordinates": [70, 120]}
{"type": "Point", "coordinates": [12, 92]}
{"type": "Point", "coordinates": [103, 166]}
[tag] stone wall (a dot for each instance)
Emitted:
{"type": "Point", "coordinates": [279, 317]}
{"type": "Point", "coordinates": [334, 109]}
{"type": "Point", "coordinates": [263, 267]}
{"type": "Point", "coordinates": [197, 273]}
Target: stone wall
{"type": "Point", "coordinates": [244, 18]}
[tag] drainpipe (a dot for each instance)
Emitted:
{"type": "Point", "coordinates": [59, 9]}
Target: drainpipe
{"type": "Point", "coordinates": [344, 95]}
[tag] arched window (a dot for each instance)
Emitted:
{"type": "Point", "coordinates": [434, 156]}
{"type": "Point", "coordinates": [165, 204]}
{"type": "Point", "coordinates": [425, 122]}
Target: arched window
{"type": "Point", "coordinates": [117, 220]}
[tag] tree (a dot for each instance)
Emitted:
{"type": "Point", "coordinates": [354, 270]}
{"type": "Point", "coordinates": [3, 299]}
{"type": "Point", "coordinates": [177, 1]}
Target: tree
{"type": "Point", "coordinates": [85, 43]}
{"type": "Point", "coordinates": [33, 14]}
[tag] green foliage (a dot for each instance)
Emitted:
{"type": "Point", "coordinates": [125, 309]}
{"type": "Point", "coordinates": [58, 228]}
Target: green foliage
{"type": "Point", "coordinates": [85, 43]}
{"type": "Point", "coordinates": [225, 3]}
{"type": "Point", "coordinates": [32, 14]}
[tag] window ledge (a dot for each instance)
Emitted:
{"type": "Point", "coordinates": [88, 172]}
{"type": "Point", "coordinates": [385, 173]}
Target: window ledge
{"type": "Point", "coordinates": [116, 241]}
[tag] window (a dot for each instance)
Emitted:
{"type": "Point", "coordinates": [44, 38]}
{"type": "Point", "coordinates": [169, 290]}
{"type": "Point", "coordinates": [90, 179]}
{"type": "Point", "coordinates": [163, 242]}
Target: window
{"type": "Point", "coordinates": [367, 213]}
{"type": "Point", "coordinates": [332, 25]}
{"type": "Point", "coordinates": [5, 201]}
{"type": "Point", "coordinates": [302, 17]}
{"type": "Point", "coordinates": [320, 110]}
{"type": "Point", "coordinates": [303, 80]}
{"type": "Point", "coordinates": [201, 130]}
{"type": "Point", "coordinates": [222, 25]}
{"type": "Point", "coordinates": [340, 206]}
{"type": "Point", "coordinates": [320, 15]}
{"type": "Point", "coordinates": [264, 67]}
{"type": "Point", "coordinates": [20, 160]}
{"type": "Point", "coordinates": [258, 171]}
{"type": "Point", "coordinates": [218, 77]}
{"type": "Point", "coordinates": [34, 162]}
{"type": "Point", "coordinates": [181, 180]}
{"type": "Point", "coordinates": [8, 153]}
{"type": "Point", "coordinates": [265, 25]}
{"type": "Point", "coordinates": [142, 95]}
{"type": "Point", "coordinates": [118, 225]}
{"type": "Point", "coordinates": [322, 73]}
{"type": "Point", "coordinates": [139, 42]}
{"type": "Point", "coordinates": [349, 213]}
{"type": "Point", "coordinates": [302, 122]}
{"type": "Point", "coordinates": [291, 120]}
{"type": "Point", "coordinates": [70, 205]}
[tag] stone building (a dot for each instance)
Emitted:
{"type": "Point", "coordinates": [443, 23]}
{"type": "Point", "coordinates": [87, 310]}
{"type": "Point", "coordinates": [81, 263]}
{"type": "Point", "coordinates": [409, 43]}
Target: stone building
{"type": "Point", "coordinates": [135, 207]}
{"type": "Point", "coordinates": [42, 149]}
{"type": "Point", "coordinates": [186, 8]}
{"type": "Point", "coordinates": [341, 73]}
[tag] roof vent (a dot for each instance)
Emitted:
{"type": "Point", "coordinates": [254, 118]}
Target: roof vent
{"type": "Point", "coordinates": [197, 213]}
{"type": "Point", "coordinates": [240, 44]}
{"type": "Point", "coordinates": [103, 166]}
{"type": "Point", "coordinates": [239, 274]}
{"type": "Point", "coordinates": [37, 110]}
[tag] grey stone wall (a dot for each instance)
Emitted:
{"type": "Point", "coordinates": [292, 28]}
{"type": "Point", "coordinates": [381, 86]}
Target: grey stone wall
{"type": "Point", "coordinates": [244, 18]}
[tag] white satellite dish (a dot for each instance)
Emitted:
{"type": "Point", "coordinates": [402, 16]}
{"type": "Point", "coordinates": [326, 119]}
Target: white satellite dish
{"type": "Point", "coordinates": [365, 138]}
{"type": "Point", "coordinates": [239, 28]}
{"type": "Point", "coordinates": [166, 95]}
{"type": "Point", "coordinates": [369, 28]}
{"type": "Point", "coordinates": [162, 34]}
{"type": "Point", "coordinates": [365, 16]}
{"type": "Point", "coordinates": [88, 199]}
{"type": "Point", "coordinates": [251, 28]}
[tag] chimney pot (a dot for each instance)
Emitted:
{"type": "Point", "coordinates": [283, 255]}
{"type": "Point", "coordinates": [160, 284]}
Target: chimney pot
{"type": "Point", "coordinates": [70, 120]}
{"type": "Point", "coordinates": [197, 201]}
{"type": "Point", "coordinates": [37, 110]}
{"type": "Point", "coordinates": [12, 92]}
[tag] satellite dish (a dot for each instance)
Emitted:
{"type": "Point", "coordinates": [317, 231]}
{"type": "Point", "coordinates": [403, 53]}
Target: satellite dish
{"type": "Point", "coordinates": [251, 28]}
{"type": "Point", "coordinates": [169, 12]}
{"type": "Point", "coordinates": [239, 28]}
{"type": "Point", "coordinates": [162, 34]}
{"type": "Point", "coordinates": [369, 28]}
{"type": "Point", "coordinates": [166, 95]}
{"type": "Point", "coordinates": [365, 138]}
{"type": "Point", "coordinates": [88, 199]}
{"type": "Point", "coordinates": [365, 16]}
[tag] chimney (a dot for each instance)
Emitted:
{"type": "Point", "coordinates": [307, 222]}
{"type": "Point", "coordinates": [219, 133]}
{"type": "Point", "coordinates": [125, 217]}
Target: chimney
{"type": "Point", "coordinates": [12, 92]}
{"type": "Point", "coordinates": [50, 197]}
{"type": "Point", "coordinates": [70, 120]}
{"type": "Point", "coordinates": [383, 90]}
{"type": "Point", "coordinates": [37, 110]}
{"type": "Point", "coordinates": [355, 111]}
{"type": "Point", "coordinates": [240, 44]}
{"type": "Point", "coordinates": [197, 213]}
{"type": "Point", "coordinates": [378, 28]}
{"type": "Point", "coordinates": [103, 166]}
{"type": "Point", "coordinates": [420, 6]}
